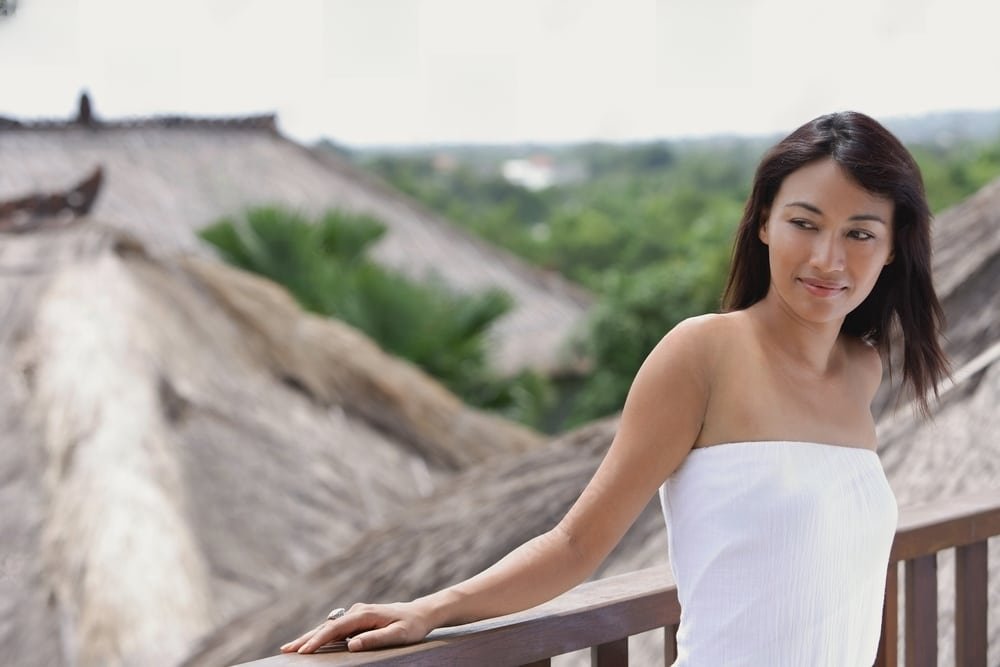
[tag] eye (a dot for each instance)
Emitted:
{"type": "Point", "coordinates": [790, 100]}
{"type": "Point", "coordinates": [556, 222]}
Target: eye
{"type": "Point", "coordinates": [860, 235]}
{"type": "Point", "coordinates": [802, 223]}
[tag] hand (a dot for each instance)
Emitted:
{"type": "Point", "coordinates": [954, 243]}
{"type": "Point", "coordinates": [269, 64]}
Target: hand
{"type": "Point", "coordinates": [369, 626]}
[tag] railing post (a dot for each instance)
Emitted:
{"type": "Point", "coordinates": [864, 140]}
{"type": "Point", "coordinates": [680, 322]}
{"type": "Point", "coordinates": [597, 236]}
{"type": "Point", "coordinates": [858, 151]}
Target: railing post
{"type": "Point", "coordinates": [888, 642]}
{"type": "Point", "coordinates": [611, 654]}
{"type": "Point", "coordinates": [970, 604]}
{"type": "Point", "coordinates": [670, 644]}
{"type": "Point", "coordinates": [921, 611]}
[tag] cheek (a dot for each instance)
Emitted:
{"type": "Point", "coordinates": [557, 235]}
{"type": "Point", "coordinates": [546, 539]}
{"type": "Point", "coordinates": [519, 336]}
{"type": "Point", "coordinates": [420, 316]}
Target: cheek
{"type": "Point", "coordinates": [787, 247]}
{"type": "Point", "coordinates": [868, 265]}
{"type": "Point", "coordinates": [870, 257]}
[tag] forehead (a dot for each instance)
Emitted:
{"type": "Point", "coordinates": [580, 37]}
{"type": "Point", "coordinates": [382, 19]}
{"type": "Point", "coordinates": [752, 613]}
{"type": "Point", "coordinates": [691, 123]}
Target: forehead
{"type": "Point", "coordinates": [830, 188]}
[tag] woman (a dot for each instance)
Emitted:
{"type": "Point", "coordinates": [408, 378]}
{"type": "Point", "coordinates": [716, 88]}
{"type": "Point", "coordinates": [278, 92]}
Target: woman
{"type": "Point", "coordinates": [756, 427]}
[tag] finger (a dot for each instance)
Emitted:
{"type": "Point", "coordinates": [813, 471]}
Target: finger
{"type": "Point", "coordinates": [299, 641]}
{"type": "Point", "coordinates": [359, 619]}
{"type": "Point", "coordinates": [392, 635]}
{"type": "Point", "coordinates": [343, 627]}
{"type": "Point", "coordinates": [329, 631]}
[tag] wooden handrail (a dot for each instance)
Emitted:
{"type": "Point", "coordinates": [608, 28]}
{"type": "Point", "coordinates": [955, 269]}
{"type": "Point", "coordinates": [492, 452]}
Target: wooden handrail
{"type": "Point", "coordinates": [930, 527]}
{"type": "Point", "coordinates": [602, 614]}
{"type": "Point", "coordinates": [593, 613]}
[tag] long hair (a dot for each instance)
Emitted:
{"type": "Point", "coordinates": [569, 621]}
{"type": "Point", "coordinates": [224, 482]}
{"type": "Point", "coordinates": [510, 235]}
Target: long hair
{"type": "Point", "coordinates": [903, 295]}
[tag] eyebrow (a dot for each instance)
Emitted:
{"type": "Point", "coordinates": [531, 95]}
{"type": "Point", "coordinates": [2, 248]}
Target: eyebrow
{"type": "Point", "coordinates": [815, 209]}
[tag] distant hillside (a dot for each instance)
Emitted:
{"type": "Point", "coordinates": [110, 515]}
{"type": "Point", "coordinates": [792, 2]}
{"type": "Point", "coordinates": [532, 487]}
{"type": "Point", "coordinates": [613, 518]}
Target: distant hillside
{"type": "Point", "coordinates": [943, 128]}
{"type": "Point", "coordinates": [947, 128]}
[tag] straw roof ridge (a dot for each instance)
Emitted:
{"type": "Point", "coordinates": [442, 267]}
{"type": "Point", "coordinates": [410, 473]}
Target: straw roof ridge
{"type": "Point", "coordinates": [267, 122]}
{"type": "Point", "coordinates": [963, 383]}
{"type": "Point", "coordinates": [333, 363]}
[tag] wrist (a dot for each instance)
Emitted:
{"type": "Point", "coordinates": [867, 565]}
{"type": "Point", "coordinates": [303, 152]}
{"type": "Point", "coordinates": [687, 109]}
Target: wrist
{"type": "Point", "coordinates": [438, 608]}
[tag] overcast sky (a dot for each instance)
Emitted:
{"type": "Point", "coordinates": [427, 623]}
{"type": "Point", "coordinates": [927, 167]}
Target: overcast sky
{"type": "Point", "coordinates": [418, 71]}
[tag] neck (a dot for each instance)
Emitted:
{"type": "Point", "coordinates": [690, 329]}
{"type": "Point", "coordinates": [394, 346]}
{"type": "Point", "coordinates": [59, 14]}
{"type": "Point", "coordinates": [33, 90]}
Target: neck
{"type": "Point", "coordinates": [811, 345]}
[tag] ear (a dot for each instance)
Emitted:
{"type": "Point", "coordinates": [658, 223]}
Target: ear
{"type": "Point", "coordinates": [892, 256]}
{"type": "Point", "coordinates": [762, 229]}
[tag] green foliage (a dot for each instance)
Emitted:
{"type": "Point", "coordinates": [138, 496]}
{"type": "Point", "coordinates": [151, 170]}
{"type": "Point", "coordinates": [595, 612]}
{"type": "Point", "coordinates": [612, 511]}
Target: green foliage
{"type": "Point", "coordinates": [954, 173]}
{"type": "Point", "coordinates": [324, 265]}
{"type": "Point", "coordinates": [648, 231]}
{"type": "Point", "coordinates": [637, 308]}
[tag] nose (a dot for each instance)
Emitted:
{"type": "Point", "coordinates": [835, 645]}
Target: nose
{"type": "Point", "coordinates": [828, 253]}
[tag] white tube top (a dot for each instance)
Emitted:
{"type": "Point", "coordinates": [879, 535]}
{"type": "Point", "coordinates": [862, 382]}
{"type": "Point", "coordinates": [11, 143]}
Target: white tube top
{"type": "Point", "coordinates": [779, 551]}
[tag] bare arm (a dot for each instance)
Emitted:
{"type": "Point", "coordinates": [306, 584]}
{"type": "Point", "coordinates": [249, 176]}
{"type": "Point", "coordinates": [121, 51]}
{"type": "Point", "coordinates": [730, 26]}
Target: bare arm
{"type": "Point", "coordinates": [660, 423]}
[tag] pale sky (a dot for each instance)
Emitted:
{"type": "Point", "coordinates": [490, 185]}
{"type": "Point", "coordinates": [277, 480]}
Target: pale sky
{"type": "Point", "coordinates": [419, 71]}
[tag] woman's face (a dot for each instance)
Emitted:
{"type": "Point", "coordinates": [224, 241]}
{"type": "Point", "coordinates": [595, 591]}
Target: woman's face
{"type": "Point", "coordinates": [828, 239]}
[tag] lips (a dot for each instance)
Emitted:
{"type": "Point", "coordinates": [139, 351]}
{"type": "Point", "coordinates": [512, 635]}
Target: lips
{"type": "Point", "coordinates": [822, 288]}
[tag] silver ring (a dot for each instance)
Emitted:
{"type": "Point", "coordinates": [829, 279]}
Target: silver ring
{"type": "Point", "coordinates": [336, 613]}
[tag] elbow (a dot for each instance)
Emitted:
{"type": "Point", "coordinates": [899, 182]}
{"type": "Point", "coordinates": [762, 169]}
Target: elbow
{"type": "Point", "coordinates": [579, 560]}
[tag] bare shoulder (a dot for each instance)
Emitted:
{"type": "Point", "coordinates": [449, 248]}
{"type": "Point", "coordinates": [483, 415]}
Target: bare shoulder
{"type": "Point", "coordinates": [680, 367]}
{"type": "Point", "coordinates": [709, 323]}
{"type": "Point", "coordinates": [705, 339]}
{"type": "Point", "coordinates": [698, 338]}
{"type": "Point", "coordinates": [688, 359]}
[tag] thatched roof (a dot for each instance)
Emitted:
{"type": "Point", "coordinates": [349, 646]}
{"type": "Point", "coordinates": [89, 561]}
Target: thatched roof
{"type": "Point", "coordinates": [167, 177]}
{"type": "Point", "coordinates": [168, 425]}
{"type": "Point", "coordinates": [479, 516]}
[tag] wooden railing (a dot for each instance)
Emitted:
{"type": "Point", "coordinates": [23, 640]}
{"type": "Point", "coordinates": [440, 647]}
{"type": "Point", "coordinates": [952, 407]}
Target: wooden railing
{"type": "Point", "coordinates": [964, 524]}
{"type": "Point", "coordinates": [602, 615]}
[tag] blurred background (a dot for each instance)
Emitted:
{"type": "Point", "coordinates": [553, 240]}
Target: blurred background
{"type": "Point", "coordinates": [278, 276]}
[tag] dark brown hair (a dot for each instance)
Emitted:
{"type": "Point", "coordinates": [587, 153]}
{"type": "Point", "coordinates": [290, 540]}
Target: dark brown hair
{"type": "Point", "coordinates": [903, 295]}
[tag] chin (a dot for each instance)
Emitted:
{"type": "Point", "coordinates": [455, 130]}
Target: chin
{"type": "Point", "coordinates": [821, 312]}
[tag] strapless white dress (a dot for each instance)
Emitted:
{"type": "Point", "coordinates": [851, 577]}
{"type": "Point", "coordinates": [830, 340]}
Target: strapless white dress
{"type": "Point", "coordinates": [779, 551]}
